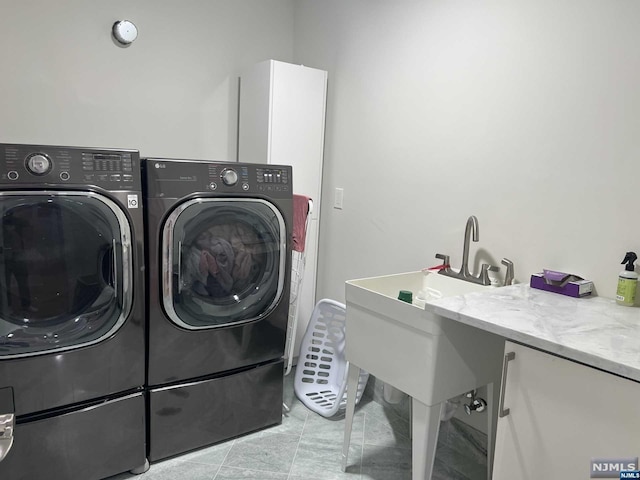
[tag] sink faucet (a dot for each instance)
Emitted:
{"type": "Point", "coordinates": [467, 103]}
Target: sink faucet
{"type": "Point", "coordinates": [471, 231]}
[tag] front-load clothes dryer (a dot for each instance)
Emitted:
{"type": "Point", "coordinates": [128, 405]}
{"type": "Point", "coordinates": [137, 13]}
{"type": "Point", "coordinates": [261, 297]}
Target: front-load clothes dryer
{"type": "Point", "coordinates": [219, 254]}
{"type": "Point", "coordinates": [72, 325]}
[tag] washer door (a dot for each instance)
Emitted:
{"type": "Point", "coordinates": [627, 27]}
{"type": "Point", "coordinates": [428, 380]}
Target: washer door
{"type": "Point", "coordinates": [65, 271]}
{"type": "Point", "coordinates": [223, 262]}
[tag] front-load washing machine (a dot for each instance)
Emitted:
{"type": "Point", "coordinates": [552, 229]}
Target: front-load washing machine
{"type": "Point", "coordinates": [219, 254]}
{"type": "Point", "coordinates": [72, 325]}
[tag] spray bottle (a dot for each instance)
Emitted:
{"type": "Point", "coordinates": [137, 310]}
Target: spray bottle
{"type": "Point", "coordinates": [627, 281]}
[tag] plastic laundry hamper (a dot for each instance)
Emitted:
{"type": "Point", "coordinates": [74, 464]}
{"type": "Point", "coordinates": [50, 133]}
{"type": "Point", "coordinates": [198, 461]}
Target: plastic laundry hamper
{"type": "Point", "coordinates": [321, 375]}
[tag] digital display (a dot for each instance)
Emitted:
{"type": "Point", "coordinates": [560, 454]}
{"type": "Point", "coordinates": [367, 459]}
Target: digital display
{"type": "Point", "coordinates": [107, 162]}
{"type": "Point", "coordinates": [272, 175]}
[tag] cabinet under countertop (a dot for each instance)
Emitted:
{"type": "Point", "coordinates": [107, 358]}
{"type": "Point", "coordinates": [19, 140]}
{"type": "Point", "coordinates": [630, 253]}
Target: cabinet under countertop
{"type": "Point", "coordinates": [594, 331]}
{"type": "Point", "coordinates": [560, 419]}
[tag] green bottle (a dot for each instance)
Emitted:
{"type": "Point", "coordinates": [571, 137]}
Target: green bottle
{"type": "Point", "coordinates": [627, 281]}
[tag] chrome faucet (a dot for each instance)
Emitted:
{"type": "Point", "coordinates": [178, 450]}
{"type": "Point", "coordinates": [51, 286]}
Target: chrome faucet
{"type": "Point", "coordinates": [471, 231]}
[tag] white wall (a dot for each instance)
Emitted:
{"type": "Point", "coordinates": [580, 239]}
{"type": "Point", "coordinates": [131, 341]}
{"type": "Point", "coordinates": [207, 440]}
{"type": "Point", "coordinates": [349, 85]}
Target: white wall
{"type": "Point", "coordinates": [524, 113]}
{"type": "Point", "coordinates": [172, 93]}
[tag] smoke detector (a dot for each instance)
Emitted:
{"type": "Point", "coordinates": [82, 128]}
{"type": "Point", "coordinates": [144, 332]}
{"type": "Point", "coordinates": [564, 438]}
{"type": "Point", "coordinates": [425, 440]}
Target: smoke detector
{"type": "Point", "coordinates": [124, 32]}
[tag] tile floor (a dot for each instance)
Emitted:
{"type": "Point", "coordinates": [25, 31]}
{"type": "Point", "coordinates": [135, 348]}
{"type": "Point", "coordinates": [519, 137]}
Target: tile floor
{"type": "Point", "coordinates": [307, 446]}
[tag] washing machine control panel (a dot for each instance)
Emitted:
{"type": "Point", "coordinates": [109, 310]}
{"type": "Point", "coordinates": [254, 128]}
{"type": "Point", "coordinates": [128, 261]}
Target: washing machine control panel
{"type": "Point", "coordinates": [175, 178]}
{"type": "Point", "coordinates": [249, 178]}
{"type": "Point", "coordinates": [52, 165]}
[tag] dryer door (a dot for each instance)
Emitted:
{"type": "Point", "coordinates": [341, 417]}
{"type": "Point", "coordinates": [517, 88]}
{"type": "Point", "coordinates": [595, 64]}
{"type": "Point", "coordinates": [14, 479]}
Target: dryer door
{"type": "Point", "coordinates": [223, 262]}
{"type": "Point", "coordinates": [65, 271]}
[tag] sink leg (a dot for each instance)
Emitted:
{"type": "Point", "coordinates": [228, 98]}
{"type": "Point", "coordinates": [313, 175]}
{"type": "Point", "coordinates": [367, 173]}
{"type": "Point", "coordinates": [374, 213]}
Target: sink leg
{"type": "Point", "coordinates": [425, 425]}
{"type": "Point", "coordinates": [493, 399]}
{"type": "Point", "coordinates": [352, 388]}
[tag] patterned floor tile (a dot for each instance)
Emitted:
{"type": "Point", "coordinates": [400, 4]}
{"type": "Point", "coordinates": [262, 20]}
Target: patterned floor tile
{"type": "Point", "coordinates": [443, 471]}
{"type": "Point", "coordinates": [332, 429]}
{"type": "Point", "coordinates": [384, 413]}
{"type": "Point", "coordinates": [213, 455]}
{"type": "Point", "coordinates": [392, 432]}
{"type": "Point", "coordinates": [231, 473]}
{"type": "Point", "coordinates": [322, 459]}
{"type": "Point", "coordinates": [266, 452]}
{"type": "Point", "coordinates": [386, 463]}
{"type": "Point", "coordinates": [172, 470]}
{"type": "Point", "coordinates": [466, 446]}
{"type": "Point", "coordinates": [293, 420]}
{"type": "Point", "coordinates": [455, 466]}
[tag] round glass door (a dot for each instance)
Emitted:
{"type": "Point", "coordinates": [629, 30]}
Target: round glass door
{"type": "Point", "coordinates": [224, 262]}
{"type": "Point", "coordinates": [65, 271]}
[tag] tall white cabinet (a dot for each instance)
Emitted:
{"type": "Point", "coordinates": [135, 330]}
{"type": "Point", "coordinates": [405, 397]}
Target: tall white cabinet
{"type": "Point", "coordinates": [281, 121]}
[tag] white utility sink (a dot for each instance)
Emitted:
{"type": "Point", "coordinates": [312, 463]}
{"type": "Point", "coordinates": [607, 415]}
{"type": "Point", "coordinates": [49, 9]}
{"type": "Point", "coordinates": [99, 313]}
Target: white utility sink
{"type": "Point", "coordinates": [429, 357]}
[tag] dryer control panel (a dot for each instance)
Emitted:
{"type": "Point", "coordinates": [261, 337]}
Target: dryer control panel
{"type": "Point", "coordinates": [23, 165]}
{"type": "Point", "coordinates": [178, 178]}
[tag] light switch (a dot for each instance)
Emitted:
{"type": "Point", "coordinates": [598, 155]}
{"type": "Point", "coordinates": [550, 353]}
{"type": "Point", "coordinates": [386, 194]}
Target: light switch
{"type": "Point", "coordinates": [338, 197]}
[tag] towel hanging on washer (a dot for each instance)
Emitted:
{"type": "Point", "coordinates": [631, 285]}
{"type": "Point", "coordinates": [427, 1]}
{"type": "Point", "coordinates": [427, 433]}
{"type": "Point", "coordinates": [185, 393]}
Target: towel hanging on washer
{"type": "Point", "coordinates": [301, 206]}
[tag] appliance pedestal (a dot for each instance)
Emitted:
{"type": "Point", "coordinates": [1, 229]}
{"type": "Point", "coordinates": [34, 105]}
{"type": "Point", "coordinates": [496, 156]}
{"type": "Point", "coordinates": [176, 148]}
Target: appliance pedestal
{"type": "Point", "coordinates": [91, 443]}
{"type": "Point", "coordinates": [202, 412]}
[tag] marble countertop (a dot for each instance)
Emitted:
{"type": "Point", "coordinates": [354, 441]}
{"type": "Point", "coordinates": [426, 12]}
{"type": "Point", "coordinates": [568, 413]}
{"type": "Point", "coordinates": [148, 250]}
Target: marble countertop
{"type": "Point", "coordinates": [592, 330]}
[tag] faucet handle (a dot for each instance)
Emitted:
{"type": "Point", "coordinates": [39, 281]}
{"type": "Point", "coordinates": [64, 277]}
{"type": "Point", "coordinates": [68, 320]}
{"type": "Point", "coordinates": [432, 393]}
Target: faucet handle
{"type": "Point", "coordinates": [444, 258]}
{"type": "Point", "coordinates": [508, 276]}
{"type": "Point", "coordinates": [484, 273]}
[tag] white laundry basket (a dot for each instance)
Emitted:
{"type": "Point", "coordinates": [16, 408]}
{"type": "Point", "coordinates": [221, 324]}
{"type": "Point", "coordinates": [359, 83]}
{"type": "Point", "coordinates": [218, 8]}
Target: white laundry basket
{"type": "Point", "coordinates": [321, 374]}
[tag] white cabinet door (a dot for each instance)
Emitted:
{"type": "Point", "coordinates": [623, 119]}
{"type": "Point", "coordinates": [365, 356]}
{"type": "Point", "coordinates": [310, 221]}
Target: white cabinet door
{"type": "Point", "coordinates": [561, 416]}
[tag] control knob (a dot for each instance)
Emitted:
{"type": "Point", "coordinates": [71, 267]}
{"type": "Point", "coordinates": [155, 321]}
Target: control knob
{"type": "Point", "coordinates": [38, 163]}
{"type": "Point", "coordinates": [229, 177]}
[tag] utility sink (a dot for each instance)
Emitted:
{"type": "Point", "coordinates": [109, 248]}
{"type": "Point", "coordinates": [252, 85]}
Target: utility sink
{"type": "Point", "coordinates": [426, 356]}
{"type": "Point", "coordinates": [429, 357]}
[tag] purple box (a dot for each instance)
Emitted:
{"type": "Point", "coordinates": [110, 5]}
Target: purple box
{"type": "Point", "coordinates": [576, 288]}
